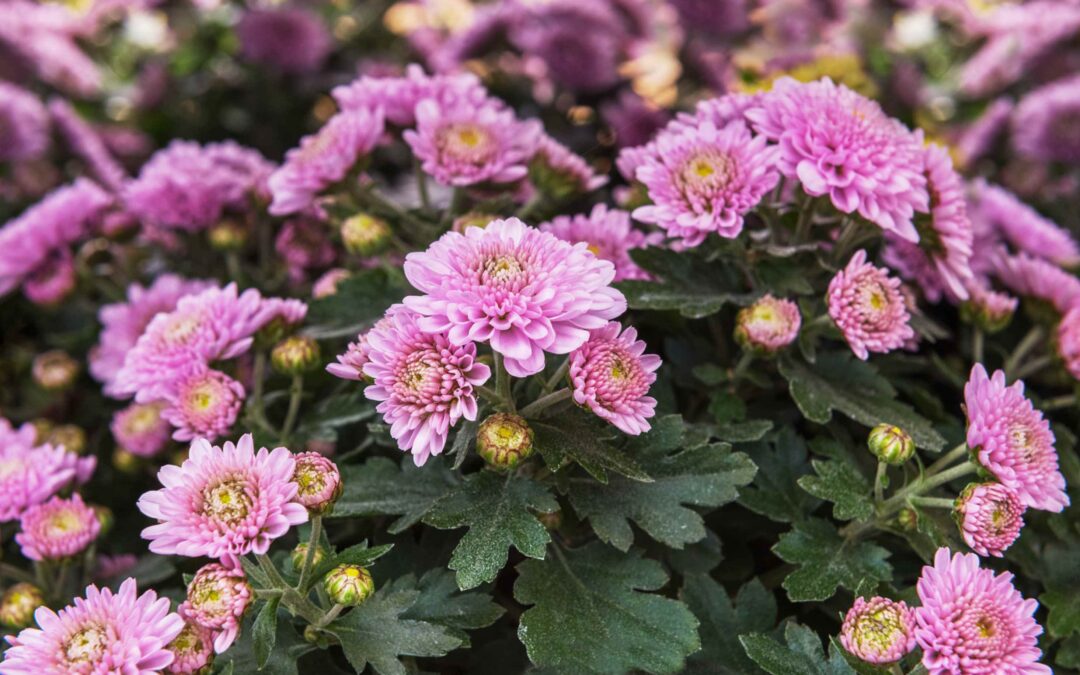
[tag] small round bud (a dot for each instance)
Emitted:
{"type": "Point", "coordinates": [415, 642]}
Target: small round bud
{"type": "Point", "coordinates": [18, 604]}
{"type": "Point", "coordinates": [365, 234]}
{"type": "Point", "coordinates": [55, 370]}
{"type": "Point", "coordinates": [299, 555]}
{"type": "Point", "coordinates": [989, 310]}
{"type": "Point", "coordinates": [768, 325]}
{"type": "Point", "coordinates": [125, 462]}
{"type": "Point", "coordinates": [879, 630]}
{"type": "Point", "coordinates": [294, 355]}
{"type": "Point", "coordinates": [192, 650]}
{"type": "Point", "coordinates": [890, 444]}
{"type": "Point", "coordinates": [504, 440]}
{"type": "Point", "coordinates": [274, 331]}
{"type": "Point", "coordinates": [73, 438]}
{"type": "Point", "coordinates": [349, 585]}
{"type": "Point", "coordinates": [105, 517]}
{"type": "Point", "coordinates": [908, 519]}
{"type": "Point", "coordinates": [471, 219]}
{"type": "Point", "coordinates": [227, 235]}
{"type": "Point", "coordinates": [42, 427]}
{"type": "Point", "coordinates": [319, 482]}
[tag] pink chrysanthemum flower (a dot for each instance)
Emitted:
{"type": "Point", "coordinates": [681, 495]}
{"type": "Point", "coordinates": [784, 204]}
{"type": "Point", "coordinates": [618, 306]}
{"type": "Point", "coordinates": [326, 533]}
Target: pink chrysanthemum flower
{"type": "Point", "coordinates": [31, 474]}
{"type": "Point", "coordinates": [523, 290]}
{"type": "Point", "coordinates": [990, 516]}
{"type": "Point", "coordinates": [840, 144]}
{"type": "Point", "coordinates": [319, 481]}
{"type": "Point", "coordinates": [192, 650]}
{"type": "Point", "coordinates": [768, 325]}
{"type": "Point", "coordinates": [1013, 441]}
{"type": "Point", "coordinates": [979, 136]}
{"type": "Point", "coordinates": [223, 502]}
{"type": "Point", "coordinates": [1037, 279]}
{"type": "Point", "coordinates": [123, 322]}
{"type": "Point", "coordinates": [611, 374]}
{"type": "Point", "coordinates": [1044, 126]}
{"type": "Point", "coordinates": [203, 404]}
{"type": "Point", "coordinates": [705, 179]}
{"type": "Point", "coordinates": [991, 310]}
{"type": "Point", "coordinates": [303, 244]}
{"type": "Point", "coordinates": [327, 284]}
{"type": "Point", "coordinates": [1068, 341]}
{"type": "Point", "coordinates": [350, 365]}
{"type": "Point", "coordinates": [424, 382]}
{"type": "Point", "coordinates": [867, 306]}
{"type": "Point", "coordinates": [287, 39]}
{"type": "Point", "coordinates": [57, 529]}
{"type": "Point", "coordinates": [24, 124]}
{"type": "Point", "coordinates": [610, 236]}
{"type": "Point", "coordinates": [560, 172]}
{"type": "Point", "coordinates": [878, 630]}
{"type": "Point", "coordinates": [217, 598]}
{"type": "Point", "coordinates": [106, 632]}
{"type": "Point", "coordinates": [460, 143]}
{"type": "Point", "coordinates": [324, 158]}
{"type": "Point", "coordinates": [398, 96]}
{"type": "Point", "coordinates": [1023, 226]}
{"type": "Point", "coordinates": [52, 281]}
{"type": "Point", "coordinates": [973, 621]}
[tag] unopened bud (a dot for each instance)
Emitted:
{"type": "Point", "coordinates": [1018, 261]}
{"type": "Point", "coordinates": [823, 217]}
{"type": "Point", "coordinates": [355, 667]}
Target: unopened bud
{"type": "Point", "coordinates": [227, 235]}
{"type": "Point", "coordinates": [55, 370]}
{"type": "Point", "coordinates": [294, 355]}
{"type": "Point", "coordinates": [105, 518]}
{"type": "Point", "coordinates": [989, 310]}
{"type": "Point", "coordinates": [125, 462]}
{"type": "Point", "coordinates": [18, 604]}
{"type": "Point", "coordinates": [349, 585]}
{"type": "Point", "coordinates": [504, 440]}
{"type": "Point", "coordinates": [42, 428]}
{"type": "Point", "coordinates": [471, 219]}
{"type": "Point", "coordinates": [71, 437]}
{"type": "Point", "coordinates": [768, 325]}
{"type": "Point", "coordinates": [299, 556]}
{"type": "Point", "coordinates": [319, 482]}
{"type": "Point", "coordinates": [365, 234]}
{"type": "Point", "coordinates": [890, 444]}
{"type": "Point", "coordinates": [908, 519]}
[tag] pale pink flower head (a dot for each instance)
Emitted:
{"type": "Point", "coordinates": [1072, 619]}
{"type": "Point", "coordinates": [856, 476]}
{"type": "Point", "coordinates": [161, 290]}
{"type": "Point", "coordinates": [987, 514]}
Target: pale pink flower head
{"type": "Point", "coordinates": [1068, 341]}
{"type": "Point", "coordinates": [319, 482]}
{"type": "Point", "coordinates": [1037, 279]}
{"type": "Point", "coordinates": [705, 179]}
{"type": "Point", "coordinates": [878, 630]}
{"type": "Point", "coordinates": [30, 474]}
{"type": "Point", "coordinates": [610, 236]}
{"type": "Point", "coordinates": [204, 403]}
{"type": "Point", "coordinates": [52, 281]}
{"type": "Point", "coordinates": [1024, 227]}
{"type": "Point", "coordinates": [216, 600]}
{"type": "Point", "coordinates": [867, 306]}
{"type": "Point", "coordinates": [990, 310]}
{"type": "Point", "coordinates": [523, 290]}
{"type": "Point", "coordinates": [768, 325]}
{"type": "Point", "coordinates": [1044, 126]}
{"type": "Point", "coordinates": [57, 529]}
{"type": "Point", "coordinates": [223, 502]}
{"type": "Point", "coordinates": [192, 650]}
{"type": "Point", "coordinates": [398, 96]}
{"type": "Point", "coordinates": [841, 144]}
{"type": "Point", "coordinates": [24, 124]}
{"type": "Point", "coordinates": [973, 621]}
{"type": "Point", "coordinates": [106, 632]}
{"type": "Point", "coordinates": [423, 381]}
{"type": "Point", "coordinates": [611, 374]}
{"type": "Point", "coordinates": [327, 284]}
{"type": "Point", "coordinates": [1013, 441]}
{"type": "Point", "coordinates": [324, 158]}
{"type": "Point", "coordinates": [990, 516]}
{"type": "Point", "coordinates": [460, 143]}
{"type": "Point", "coordinates": [561, 173]}
{"type": "Point", "coordinates": [304, 244]}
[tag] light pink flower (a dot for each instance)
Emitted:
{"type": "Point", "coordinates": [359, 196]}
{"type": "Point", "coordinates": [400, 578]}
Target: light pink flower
{"type": "Point", "coordinates": [523, 290]}
{"type": "Point", "coordinates": [768, 325]}
{"type": "Point", "coordinates": [1037, 279]}
{"type": "Point", "coordinates": [990, 516]}
{"type": "Point", "coordinates": [216, 600]}
{"type": "Point", "coordinates": [610, 236]}
{"type": "Point", "coordinates": [867, 306]}
{"type": "Point", "coordinates": [1013, 441]}
{"type": "Point", "coordinates": [57, 529]}
{"type": "Point", "coordinates": [350, 365]}
{"type": "Point", "coordinates": [304, 244]}
{"type": "Point", "coordinates": [1068, 341]}
{"type": "Point", "coordinates": [327, 284]}
{"type": "Point", "coordinates": [424, 382]}
{"type": "Point", "coordinates": [106, 632]}
{"type": "Point", "coordinates": [30, 474]}
{"type": "Point", "coordinates": [878, 631]}
{"type": "Point", "coordinates": [223, 502]}
{"type": "Point", "coordinates": [840, 144]}
{"type": "Point", "coordinates": [611, 374]}
{"type": "Point", "coordinates": [706, 179]}
{"type": "Point", "coordinates": [398, 96]}
{"type": "Point", "coordinates": [1023, 227]}
{"type": "Point", "coordinates": [203, 404]}
{"type": "Point", "coordinates": [973, 621]}
{"type": "Point", "coordinates": [560, 172]}
{"type": "Point", "coordinates": [319, 482]}
{"type": "Point", "coordinates": [1044, 128]}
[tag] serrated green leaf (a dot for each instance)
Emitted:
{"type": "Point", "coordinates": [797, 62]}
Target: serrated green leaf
{"type": "Point", "coordinates": [775, 492]}
{"type": "Point", "coordinates": [499, 512]}
{"type": "Point", "coordinates": [839, 482]}
{"type": "Point", "coordinates": [381, 486]}
{"type": "Point", "coordinates": [282, 659]}
{"type": "Point", "coordinates": [688, 284]}
{"type": "Point", "coordinates": [1061, 562]}
{"type": "Point", "coordinates": [441, 603]}
{"type": "Point", "coordinates": [743, 432]}
{"type": "Point", "coordinates": [589, 614]}
{"type": "Point", "coordinates": [148, 571]}
{"type": "Point", "coordinates": [827, 560]}
{"type": "Point", "coordinates": [335, 412]}
{"type": "Point", "coordinates": [264, 631]}
{"type": "Point", "coordinates": [802, 655]}
{"type": "Point", "coordinates": [722, 623]}
{"type": "Point", "coordinates": [573, 440]}
{"type": "Point", "coordinates": [358, 302]}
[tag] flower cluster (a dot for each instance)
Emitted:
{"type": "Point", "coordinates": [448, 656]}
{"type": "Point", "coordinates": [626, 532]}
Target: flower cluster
{"type": "Point", "coordinates": [30, 473]}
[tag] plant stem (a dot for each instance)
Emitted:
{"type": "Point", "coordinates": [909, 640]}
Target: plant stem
{"type": "Point", "coordinates": [977, 340]}
{"type": "Point", "coordinates": [545, 402]}
{"type": "Point", "coordinates": [806, 219]}
{"type": "Point", "coordinates": [531, 206]}
{"type": "Point", "coordinates": [934, 502]}
{"type": "Point", "coordinates": [879, 489]}
{"type": "Point", "coordinates": [502, 384]}
{"type": "Point", "coordinates": [741, 365]}
{"type": "Point", "coordinates": [487, 394]}
{"type": "Point", "coordinates": [258, 409]}
{"type": "Point", "coordinates": [1030, 341]}
{"type": "Point", "coordinates": [296, 392]}
{"type": "Point", "coordinates": [1033, 366]}
{"type": "Point", "coordinates": [847, 236]}
{"type": "Point", "coordinates": [897, 501]}
{"type": "Point", "coordinates": [313, 543]}
{"type": "Point", "coordinates": [559, 374]}
{"type": "Point", "coordinates": [421, 186]}
{"type": "Point", "coordinates": [16, 573]}
{"type": "Point", "coordinates": [330, 616]}
{"type": "Point", "coordinates": [1066, 401]}
{"type": "Point", "coordinates": [947, 459]}
{"type": "Point", "coordinates": [297, 603]}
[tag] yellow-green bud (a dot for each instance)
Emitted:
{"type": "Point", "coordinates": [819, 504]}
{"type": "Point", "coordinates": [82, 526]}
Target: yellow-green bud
{"type": "Point", "coordinates": [55, 370]}
{"type": "Point", "coordinates": [349, 585]}
{"type": "Point", "coordinates": [364, 234]}
{"type": "Point", "coordinates": [294, 355]}
{"type": "Point", "coordinates": [42, 427]}
{"type": "Point", "coordinates": [908, 519]}
{"type": "Point", "coordinates": [125, 462]}
{"type": "Point", "coordinates": [17, 605]}
{"type": "Point", "coordinates": [227, 235]}
{"type": "Point", "coordinates": [299, 555]}
{"type": "Point", "coordinates": [105, 518]}
{"type": "Point", "coordinates": [504, 440]}
{"type": "Point", "coordinates": [471, 219]}
{"type": "Point", "coordinates": [890, 444]}
{"type": "Point", "coordinates": [73, 438]}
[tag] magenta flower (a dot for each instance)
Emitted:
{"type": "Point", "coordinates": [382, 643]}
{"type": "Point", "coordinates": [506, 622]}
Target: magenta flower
{"type": "Point", "coordinates": [840, 144]}
{"type": "Point", "coordinates": [1035, 278]}
{"type": "Point", "coordinates": [768, 325]}
{"type": "Point", "coordinates": [973, 621]}
{"type": "Point", "coordinates": [878, 631]}
{"type": "Point", "coordinates": [31, 474]}
{"type": "Point", "coordinates": [1068, 341]}
{"type": "Point", "coordinates": [1044, 127]}
{"type": "Point", "coordinates": [287, 39]}
{"type": "Point", "coordinates": [216, 600]}
{"type": "Point", "coordinates": [991, 310]}
{"type": "Point", "coordinates": [57, 529]}
{"type": "Point", "coordinates": [52, 281]}
{"type": "Point", "coordinates": [192, 650]}
{"type": "Point", "coordinates": [1023, 226]}
{"type": "Point", "coordinates": [24, 124]}
{"type": "Point", "coordinates": [223, 502]}
{"type": "Point", "coordinates": [558, 170]}
{"type": "Point", "coordinates": [204, 403]}
{"type": "Point", "coordinates": [87, 144]}
{"type": "Point", "coordinates": [705, 179]}
{"type": "Point", "coordinates": [324, 158]}
{"type": "Point", "coordinates": [980, 135]}
{"type": "Point", "coordinates": [398, 96]}
{"type": "Point", "coordinates": [519, 288]}
{"type": "Point", "coordinates": [990, 516]}
{"type": "Point", "coordinates": [610, 236]}
{"type": "Point", "coordinates": [1013, 441]}
{"type": "Point", "coordinates": [424, 382]}
{"type": "Point", "coordinates": [104, 633]}
{"type": "Point", "coordinates": [611, 374]}
{"type": "Point", "coordinates": [867, 306]}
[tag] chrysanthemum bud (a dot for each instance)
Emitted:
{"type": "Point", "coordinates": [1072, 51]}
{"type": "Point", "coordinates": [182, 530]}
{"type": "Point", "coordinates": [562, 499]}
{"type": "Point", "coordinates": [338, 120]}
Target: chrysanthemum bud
{"type": "Point", "coordinates": [57, 529]}
{"type": "Point", "coordinates": [299, 555]}
{"type": "Point", "coordinates": [365, 235]}
{"type": "Point", "coordinates": [319, 482]}
{"type": "Point", "coordinates": [908, 519]}
{"type": "Point", "coordinates": [227, 235]}
{"type": "Point", "coordinates": [349, 585]}
{"type": "Point", "coordinates": [504, 440]}
{"type": "Point", "coordinates": [192, 650]}
{"type": "Point", "coordinates": [17, 605]}
{"type": "Point", "coordinates": [471, 219]}
{"type": "Point", "coordinates": [990, 517]}
{"type": "Point", "coordinates": [55, 370]}
{"type": "Point", "coordinates": [71, 437]}
{"type": "Point", "coordinates": [217, 599]}
{"type": "Point", "coordinates": [890, 444]}
{"type": "Point", "coordinates": [768, 325]}
{"type": "Point", "coordinates": [987, 309]}
{"type": "Point", "coordinates": [294, 355]}
{"type": "Point", "coordinates": [125, 462]}
{"type": "Point", "coordinates": [879, 630]}
{"type": "Point", "coordinates": [42, 427]}
{"type": "Point", "coordinates": [105, 517]}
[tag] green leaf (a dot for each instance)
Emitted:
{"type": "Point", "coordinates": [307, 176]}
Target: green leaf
{"type": "Point", "coordinates": [376, 633]}
{"type": "Point", "coordinates": [689, 284]}
{"type": "Point", "coordinates": [287, 648]}
{"type": "Point", "coordinates": [743, 432]}
{"type": "Point", "coordinates": [839, 482]}
{"type": "Point", "coordinates": [380, 486]}
{"type": "Point", "coordinates": [334, 412]}
{"type": "Point", "coordinates": [837, 381]}
{"type": "Point", "coordinates": [441, 603]}
{"type": "Point", "coordinates": [775, 492]}
{"type": "Point", "coordinates": [149, 570]}
{"type": "Point", "coordinates": [590, 614]}
{"type": "Point", "coordinates": [1062, 580]}
{"type": "Point", "coordinates": [358, 302]}
{"type": "Point", "coordinates": [264, 632]}
{"type": "Point", "coordinates": [722, 622]}
{"type": "Point", "coordinates": [802, 655]}
{"type": "Point", "coordinates": [499, 514]}
{"type": "Point", "coordinates": [826, 560]}
{"type": "Point", "coordinates": [572, 440]}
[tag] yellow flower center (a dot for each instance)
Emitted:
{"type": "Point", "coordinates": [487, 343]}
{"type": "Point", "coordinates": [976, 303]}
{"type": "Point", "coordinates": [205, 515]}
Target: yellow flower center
{"type": "Point", "coordinates": [86, 646]}
{"type": "Point", "coordinates": [227, 501]}
{"type": "Point", "coordinates": [502, 268]}
{"type": "Point", "coordinates": [180, 328]}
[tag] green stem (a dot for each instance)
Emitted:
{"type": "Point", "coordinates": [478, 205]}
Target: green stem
{"type": "Point", "coordinates": [531, 206]}
{"type": "Point", "coordinates": [296, 392]}
{"type": "Point", "coordinates": [741, 366]}
{"type": "Point", "coordinates": [297, 603]}
{"type": "Point", "coordinates": [1033, 366]}
{"type": "Point", "coordinates": [232, 265]}
{"type": "Point", "coordinates": [559, 375]}
{"type": "Point", "coordinates": [897, 501]}
{"type": "Point", "coordinates": [806, 219]}
{"type": "Point", "coordinates": [848, 235]}
{"type": "Point", "coordinates": [258, 407]}
{"type": "Point", "coordinates": [947, 459]}
{"type": "Point", "coordinates": [15, 573]}
{"type": "Point", "coordinates": [544, 402]}
{"type": "Point", "coordinates": [502, 384]}
{"type": "Point", "coordinates": [934, 502]}
{"type": "Point", "coordinates": [1030, 341]}
{"type": "Point", "coordinates": [330, 616]}
{"type": "Point", "coordinates": [421, 186]}
{"type": "Point", "coordinates": [487, 394]}
{"type": "Point", "coordinates": [879, 479]}
{"type": "Point", "coordinates": [457, 204]}
{"type": "Point", "coordinates": [978, 338]}
{"type": "Point", "coordinates": [313, 543]}
{"type": "Point", "coordinates": [1066, 401]}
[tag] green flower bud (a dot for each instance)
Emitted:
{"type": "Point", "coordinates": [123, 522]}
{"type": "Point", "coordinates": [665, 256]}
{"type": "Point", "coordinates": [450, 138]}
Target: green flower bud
{"type": "Point", "coordinates": [908, 519]}
{"type": "Point", "coordinates": [105, 517]}
{"type": "Point", "coordinates": [73, 438]}
{"type": "Point", "coordinates": [299, 555]}
{"type": "Point", "coordinates": [125, 462]}
{"type": "Point", "coordinates": [227, 235]}
{"type": "Point", "coordinates": [349, 585]}
{"type": "Point", "coordinates": [890, 444]}
{"type": "Point", "coordinates": [42, 428]}
{"type": "Point", "coordinates": [471, 219]}
{"type": "Point", "coordinates": [294, 355]}
{"type": "Point", "coordinates": [275, 330]}
{"type": "Point", "coordinates": [504, 440]}
{"type": "Point", "coordinates": [17, 605]}
{"type": "Point", "coordinates": [365, 235]}
{"type": "Point", "coordinates": [55, 370]}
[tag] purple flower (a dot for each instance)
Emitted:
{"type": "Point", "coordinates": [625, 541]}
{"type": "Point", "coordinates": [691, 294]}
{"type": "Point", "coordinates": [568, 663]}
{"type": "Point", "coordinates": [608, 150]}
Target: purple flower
{"type": "Point", "coordinates": [303, 244]}
{"type": "Point", "coordinates": [140, 429]}
{"type": "Point", "coordinates": [87, 144]}
{"type": "Point", "coordinates": [632, 119]}
{"type": "Point", "coordinates": [288, 39]}
{"type": "Point", "coordinates": [612, 374]}
{"type": "Point", "coordinates": [878, 631]}
{"type": "Point", "coordinates": [30, 474]}
{"type": "Point", "coordinates": [398, 96]}
{"type": "Point", "coordinates": [610, 236]}
{"type": "Point", "coordinates": [840, 144]}
{"type": "Point", "coordinates": [203, 404]}
{"type": "Point", "coordinates": [57, 529]}
{"type": "Point", "coordinates": [1022, 226]}
{"type": "Point", "coordinates": [990, 516]}
{"type": "Point", "coordinates": [1068, 341]}
{"type": "Point", "coordinates": [1038, 279]}
{"type": "Point", "coordinates": [41, 38]}
{"type": "Point", "coordinates": [24, 125]}
{"type": "Point", "coordinates": [1044, 125]}
{"type": "Point", "coordinates": [867, 306]}
{"type": "Point", "coordinates": [523, 290]}
{"type": "Point", "coordinates": [216, 600]}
